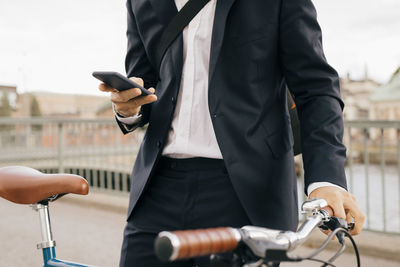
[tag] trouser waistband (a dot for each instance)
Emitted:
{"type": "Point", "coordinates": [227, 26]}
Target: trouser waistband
{"type": "Point", "coordinates": [190, 164]}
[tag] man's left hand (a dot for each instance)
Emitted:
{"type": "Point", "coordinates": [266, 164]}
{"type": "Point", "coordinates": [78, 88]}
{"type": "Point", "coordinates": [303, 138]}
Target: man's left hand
{"type": "Point", "coordinates": [343, 205]}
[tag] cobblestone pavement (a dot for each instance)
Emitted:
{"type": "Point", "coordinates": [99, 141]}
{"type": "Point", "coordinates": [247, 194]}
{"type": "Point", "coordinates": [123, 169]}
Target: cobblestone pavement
{"type": "Point", "coordinates": [89, 235]}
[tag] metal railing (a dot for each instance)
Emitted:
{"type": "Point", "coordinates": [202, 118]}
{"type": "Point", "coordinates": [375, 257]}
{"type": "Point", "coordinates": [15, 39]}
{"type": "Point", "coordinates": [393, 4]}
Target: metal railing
{"type": "Point", "coordinates": [373, 171]}
{"type": "Point", "coordinates": [93, 148]}
{"type": "Point", "coordinates": [97, 150]}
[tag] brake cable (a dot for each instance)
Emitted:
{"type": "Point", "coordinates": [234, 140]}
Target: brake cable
{"type": "Point", "coordinates": [341, 250]}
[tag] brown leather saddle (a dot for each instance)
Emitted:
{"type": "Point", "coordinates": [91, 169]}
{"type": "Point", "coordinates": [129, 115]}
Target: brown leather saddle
{"type": "Point", "coordinates": [25, 185]}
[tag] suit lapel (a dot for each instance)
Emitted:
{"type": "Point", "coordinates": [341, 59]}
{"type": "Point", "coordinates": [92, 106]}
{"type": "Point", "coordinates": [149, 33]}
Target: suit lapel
{"type": "Point", "coordinates": [165, 9]}
{"type": "Point", "coordinates": [221, 12]}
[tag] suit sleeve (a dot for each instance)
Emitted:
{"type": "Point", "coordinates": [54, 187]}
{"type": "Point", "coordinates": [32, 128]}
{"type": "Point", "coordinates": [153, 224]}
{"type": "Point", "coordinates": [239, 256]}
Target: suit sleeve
{"type": "Point", "coordinates": [315, 85]}
{"type": "Point", "coordinates": [127, 124]}
{"type": "Point", "coordinates": [137, 65]}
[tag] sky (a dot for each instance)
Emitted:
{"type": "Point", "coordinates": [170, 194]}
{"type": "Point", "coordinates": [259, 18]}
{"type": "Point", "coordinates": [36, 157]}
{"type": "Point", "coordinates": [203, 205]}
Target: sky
{"type": "Point", "coordinates": [54, 45]}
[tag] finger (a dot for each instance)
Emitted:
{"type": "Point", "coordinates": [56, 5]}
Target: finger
{"type": "Point", "coordinates": [349, 217]}
{"type": "Point", "coordinates": [137, 80]}
{"type": "Point", "coordinates": [106, 88]}
{"type": "Point", "coordinates": [358, 217]}
{"type": "Point", "coordinates": [125, 96]}
{"type": "Point", "coordinates": [131, 107]}
{"type": "Point", "coordinates": [152, 90]}
{"type": "Point", "coordinates": [329, 210]}
{"type": "Point", "coordinates": [142, 100]}
{"type": "Point", "coordinates": [338, 209]}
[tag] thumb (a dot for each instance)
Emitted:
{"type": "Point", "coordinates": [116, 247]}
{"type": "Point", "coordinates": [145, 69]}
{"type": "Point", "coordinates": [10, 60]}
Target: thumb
{"type": "Point", "coordinates": [137, 80]}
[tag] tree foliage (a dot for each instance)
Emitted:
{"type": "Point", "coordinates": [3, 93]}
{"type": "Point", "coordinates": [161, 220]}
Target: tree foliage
{"type": "Point", "coordinates": [35, 112]}
{"type": "Point", "coordinates": [5, 106]}
{"type": "Point", "coordinates": [35, 108]}
{"type": "Point", "coordinates": [5, 111]}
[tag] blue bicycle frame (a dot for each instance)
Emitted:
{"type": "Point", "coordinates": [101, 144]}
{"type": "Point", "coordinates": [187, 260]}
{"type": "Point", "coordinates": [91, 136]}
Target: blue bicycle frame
{"type": "Point", "coordinates": [49, 258]}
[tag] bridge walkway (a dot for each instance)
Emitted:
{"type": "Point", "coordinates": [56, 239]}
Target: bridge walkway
{"type": "Point", "coordinates": [89, 229]}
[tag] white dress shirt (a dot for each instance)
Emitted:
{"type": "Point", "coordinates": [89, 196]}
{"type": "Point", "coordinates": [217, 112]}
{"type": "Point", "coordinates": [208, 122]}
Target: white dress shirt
{"type": "Point", "coordinates": [192, 133]}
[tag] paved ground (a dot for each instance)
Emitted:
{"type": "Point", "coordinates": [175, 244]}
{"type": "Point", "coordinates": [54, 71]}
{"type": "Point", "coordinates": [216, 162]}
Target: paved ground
{"type": "Point", "coordinates": [90, 234]}
{"type": "Point", "coordinates": [83, 234]}
{"type": "Point", "coordinates": [346, 260]}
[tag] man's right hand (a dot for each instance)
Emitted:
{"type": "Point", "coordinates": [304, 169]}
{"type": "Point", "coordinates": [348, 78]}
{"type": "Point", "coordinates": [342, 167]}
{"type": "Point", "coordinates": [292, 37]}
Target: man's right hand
{"type": "Point", "coordinates": [128, 102]}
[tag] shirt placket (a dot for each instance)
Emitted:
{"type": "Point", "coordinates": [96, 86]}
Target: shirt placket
{"type": "Point", "coordinates": [189, 82]}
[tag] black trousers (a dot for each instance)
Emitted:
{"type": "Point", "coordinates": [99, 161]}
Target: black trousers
{"type": "Point", "coordinates": [183, 194]}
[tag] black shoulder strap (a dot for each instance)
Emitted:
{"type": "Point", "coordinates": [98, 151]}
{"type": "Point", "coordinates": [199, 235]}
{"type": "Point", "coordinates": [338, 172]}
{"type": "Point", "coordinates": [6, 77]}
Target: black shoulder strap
{"type": "Point", "coordinates": [176, 26]}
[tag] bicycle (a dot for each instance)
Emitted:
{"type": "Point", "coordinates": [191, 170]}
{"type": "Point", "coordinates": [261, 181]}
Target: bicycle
{"type": "Point", "coordinates": [252, 246]}
{"type": "Point", "coordinates": [256, 246]}
{"type": "Point", "coordinates": [23, 185]}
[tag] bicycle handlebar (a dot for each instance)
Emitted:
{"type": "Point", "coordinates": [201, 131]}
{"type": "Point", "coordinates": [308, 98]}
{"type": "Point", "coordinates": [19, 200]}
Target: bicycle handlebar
{"type": "Point", "coordinates": [176, 245]}
{"type": "Point", "coordinates": [171, 246]}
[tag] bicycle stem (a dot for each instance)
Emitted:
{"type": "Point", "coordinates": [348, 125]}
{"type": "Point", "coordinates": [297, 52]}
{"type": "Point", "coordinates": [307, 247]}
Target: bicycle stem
{"type": "Point", "coordinates": [260, 240]}
{"type": "Point", "coordinates": [299, 237]}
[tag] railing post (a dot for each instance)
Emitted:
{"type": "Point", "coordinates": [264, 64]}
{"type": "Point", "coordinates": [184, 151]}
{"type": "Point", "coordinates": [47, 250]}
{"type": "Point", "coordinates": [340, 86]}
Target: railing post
{"type": "Point", "coordinates": [124, 182]}
{"type": "Point", "coordinates": [95, 178]}
{"type": "Point", "coordinates": [101, 185]}
{"type": "Point", "coordinates": [351, 163]}
{"type": "Point", "coordinates": [28, 137]}
{"type": "Point", "coordinates": [398, 164]}
{"type": "Point", "coordinates": [60, 147]}
{"type": "Point", "coordinates": [382, 148]}
{"type": "Point", "coordinates": [366, 163]}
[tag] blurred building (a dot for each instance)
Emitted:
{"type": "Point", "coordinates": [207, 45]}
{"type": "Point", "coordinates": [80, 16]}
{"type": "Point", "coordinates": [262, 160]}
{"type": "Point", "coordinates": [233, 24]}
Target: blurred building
{"type": "Point", "coordinates": [386, 100]}
{"type": "Point", "coordinates": [356, 95]}
{"type": "Point", "coordinates": [385, 105]}
{"type": "Point", "coordinates": [60, 105]}
{"type": "Point", "coordinates": [11, 92]}
{"type": "Point", "coordinates": [105, 111]}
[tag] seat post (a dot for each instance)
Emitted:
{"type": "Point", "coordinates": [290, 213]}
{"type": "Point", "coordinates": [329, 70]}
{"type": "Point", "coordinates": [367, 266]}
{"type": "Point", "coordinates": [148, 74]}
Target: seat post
{"type": "Point", "coordinates": [45, 225]}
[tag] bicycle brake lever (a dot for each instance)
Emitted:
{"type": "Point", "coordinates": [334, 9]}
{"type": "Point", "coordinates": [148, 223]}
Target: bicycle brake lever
{"type": "Point", "coordinates": [350, 226]}
{"type": "Point", "coordinates": [334, 223]}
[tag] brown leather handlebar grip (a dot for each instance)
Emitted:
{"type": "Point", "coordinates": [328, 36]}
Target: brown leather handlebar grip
{"type": "Point", "coordinates": [170, 246]}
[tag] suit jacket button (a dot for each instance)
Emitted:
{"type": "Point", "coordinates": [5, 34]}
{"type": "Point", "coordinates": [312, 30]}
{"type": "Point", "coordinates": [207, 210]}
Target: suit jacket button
{"type": "Point", "coordinates": [159, 144]}
{"type": "Point", "coordinates": [173, 100]}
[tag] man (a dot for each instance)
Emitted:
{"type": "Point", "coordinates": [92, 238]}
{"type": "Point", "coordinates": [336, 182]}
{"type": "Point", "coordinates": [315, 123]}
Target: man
{"type": "Point", "coordinates": [218, 147]}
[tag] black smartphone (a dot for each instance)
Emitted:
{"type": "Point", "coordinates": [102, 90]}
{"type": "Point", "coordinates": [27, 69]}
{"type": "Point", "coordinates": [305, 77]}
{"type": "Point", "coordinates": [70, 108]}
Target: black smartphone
{"type": "Point", "coordinates": [118, 81]}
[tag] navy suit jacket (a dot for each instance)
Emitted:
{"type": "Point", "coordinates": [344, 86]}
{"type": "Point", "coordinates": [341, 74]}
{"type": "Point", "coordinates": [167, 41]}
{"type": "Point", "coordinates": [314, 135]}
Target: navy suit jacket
{"type": "Point", "coordinates": [258, 46]}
